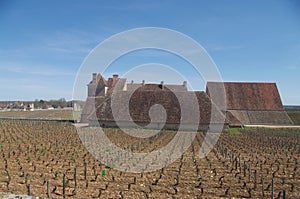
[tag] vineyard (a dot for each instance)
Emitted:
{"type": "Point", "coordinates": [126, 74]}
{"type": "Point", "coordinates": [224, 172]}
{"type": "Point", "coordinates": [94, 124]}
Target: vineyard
{"type": "Point", "coordinates": [48, 159]}
{"type": "Point", "coordinates": [63, 114]}
{"type": "Point", "coordinates": [294, 115]}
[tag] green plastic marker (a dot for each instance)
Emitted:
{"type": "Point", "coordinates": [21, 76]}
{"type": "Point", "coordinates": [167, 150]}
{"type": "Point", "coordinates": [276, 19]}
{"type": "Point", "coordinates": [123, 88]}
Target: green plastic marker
{"type": "Point", "coordinates": [103, 172]}
{"type": "Point", "coordinates": [286, 150]}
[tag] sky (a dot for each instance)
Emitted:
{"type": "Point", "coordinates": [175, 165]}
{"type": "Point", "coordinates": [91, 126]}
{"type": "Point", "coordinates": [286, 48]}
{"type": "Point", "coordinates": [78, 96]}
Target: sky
{"type": "Point", "coordinates": [43, 44]}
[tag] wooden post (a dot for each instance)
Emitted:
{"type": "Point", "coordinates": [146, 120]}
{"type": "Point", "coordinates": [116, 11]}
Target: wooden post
{"type": "Point", "coordinates": [272, 188]}
{"type": "Point", "coordinates": [64, 185]}
{"type": "Point", "coordinates": [262, 185]}
{"type": "Point", "coordinates": [244, 169]}
{"type": "Point", "coordinates": [249, 192]}
{"type": "Point", "coordinates": [255, 179]}
{"type": "Point", "coordinates": [94, 167]}
{"type": "Point", "coordinates": [48, 189]}
{"type": "Point", "coordinates": [202, 189]}
{"type": "Point", "coordinates": [75, 174]}
{"type": "Point", "coordinates": [85, 170]}
{"type": "Point", "coordinates": [249, 172]}
{"type": "Point", "coordinates": [29, 189]}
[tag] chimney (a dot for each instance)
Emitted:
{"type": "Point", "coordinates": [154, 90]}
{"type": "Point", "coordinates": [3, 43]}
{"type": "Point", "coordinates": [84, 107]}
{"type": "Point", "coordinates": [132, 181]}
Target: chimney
{"type": "Point", "coordinates": [115, 76]}
{"type": "Point", "coordinates": [162, 84]}
{"type": "Point", "coordinates": [105, 90]}
{"type": "Point", "coordinates": [143, 82]}
{"type": "Point", "coordinates": [94, 77]}
{"type": "Point", "coordinates": [185, 84]}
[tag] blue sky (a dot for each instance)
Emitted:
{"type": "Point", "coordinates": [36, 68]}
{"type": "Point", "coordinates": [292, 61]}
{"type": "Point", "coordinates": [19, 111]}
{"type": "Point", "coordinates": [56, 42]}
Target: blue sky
{"type": "Point", "coordinates": [43, 43]}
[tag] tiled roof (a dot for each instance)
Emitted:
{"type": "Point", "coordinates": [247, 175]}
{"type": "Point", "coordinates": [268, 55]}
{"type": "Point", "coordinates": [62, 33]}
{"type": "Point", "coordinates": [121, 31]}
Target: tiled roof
{"type": "Point", "coordinates": [249, 96]}
{"type": "Point", "coordinates": [261, 117]}
{"type": "Point", "coordinates": [141, 102]}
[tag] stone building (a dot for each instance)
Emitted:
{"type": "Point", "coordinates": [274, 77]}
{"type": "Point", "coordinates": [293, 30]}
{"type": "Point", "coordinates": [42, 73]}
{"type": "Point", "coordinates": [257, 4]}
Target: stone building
{"type": "Point", "coordinates": [246, 103]}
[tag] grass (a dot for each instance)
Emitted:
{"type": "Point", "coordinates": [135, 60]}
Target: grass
{"type": "Point", "coordinates": [294, 115]}
{"type": "Point", "coordinates": [234, 131]}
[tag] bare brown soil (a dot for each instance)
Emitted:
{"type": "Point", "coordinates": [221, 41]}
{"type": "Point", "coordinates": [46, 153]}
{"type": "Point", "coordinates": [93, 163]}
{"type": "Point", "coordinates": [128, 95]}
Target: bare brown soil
{"type": "Point", "coordinates": [51, 158]}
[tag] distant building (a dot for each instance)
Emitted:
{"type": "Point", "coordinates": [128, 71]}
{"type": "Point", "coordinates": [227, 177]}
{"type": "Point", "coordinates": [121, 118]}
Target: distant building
{"type": "Point", "coordinates": [29, 107]}
{"type": "Point", "coordinates": [77, 105]}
